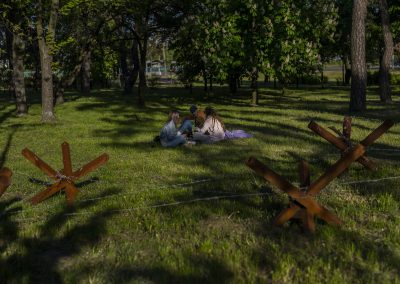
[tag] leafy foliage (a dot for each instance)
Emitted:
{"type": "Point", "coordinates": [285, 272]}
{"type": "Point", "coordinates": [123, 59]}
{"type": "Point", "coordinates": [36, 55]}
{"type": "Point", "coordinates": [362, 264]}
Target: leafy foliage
{"type": "Point", "coordinates": [279, 38]}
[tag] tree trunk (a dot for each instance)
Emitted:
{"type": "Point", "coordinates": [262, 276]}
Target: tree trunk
{"type": "Point", "coordinates": [18, 48]}
{"type": "Point", "coordinates": [266, 79]}
{"type": "Point", "coordinates": [385, 91]}
{"type": "Point", "coordinates": [132, 72]}
{"type": "Point", "coordinates": [322, 77]}
{"type": "Point", "coordinates": [343, 69]}
{"type": "Point", "coordinates": [347, 75]}
{"type": "Point", "coordinates": [9, 47]}
{"type": "Point", "coordinates": [37, 76]}
{"type": "Point", "coordinates": [205, 82]}
{"type": "Point", "coordinates": [46, 58]}
{"type": "Point", "coordinates": [136, 63]}
{"type": "Point", "coordinates": [254, 86]}
{"type": "Point", "coordinates": [142, 67]}
{"type": "Point", "coordinates": [142, 72]}
{"type": "Point", "coordinates": [67, 81]}
{"type": "Point", "coordinates": [47, 83]}
{"type": "Point", "coordinates": [254, 63]}
{"type": "Point", "coordinates": [232, 83]}
{"type": "Point", "coordinates": [358, 65]}
{"type": "Point", "coordinates": [123, 57]}
{"type": "Point", "coordinates": [9, 56]}
{"type": "Point", "coordinates": [86, 69]}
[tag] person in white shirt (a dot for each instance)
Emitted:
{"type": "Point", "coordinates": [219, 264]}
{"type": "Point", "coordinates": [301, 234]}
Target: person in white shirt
{"type": "Point", "coordinates": [213, 129]}
{"type": "Point", "coordinates": [169, 134]}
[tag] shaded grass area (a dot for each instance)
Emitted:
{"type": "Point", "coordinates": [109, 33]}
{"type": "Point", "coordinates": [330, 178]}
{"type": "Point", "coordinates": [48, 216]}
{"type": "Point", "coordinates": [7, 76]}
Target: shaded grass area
{"type": "Point", "coordinates": [117, 232]}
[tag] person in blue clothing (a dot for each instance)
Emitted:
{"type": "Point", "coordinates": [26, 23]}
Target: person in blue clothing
{"type": "Point", "coordinates": [170, 135]}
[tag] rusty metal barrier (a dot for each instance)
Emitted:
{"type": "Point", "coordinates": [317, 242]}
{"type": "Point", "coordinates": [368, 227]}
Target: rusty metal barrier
{"type": "Point", "coordinates": [302, 204]}
{"type": "Point", "coordinates": [343, 140]}
{"type": "Point", "coordinates": [65, 178]}
{"type": "Point", "coordinates": [5, 179]}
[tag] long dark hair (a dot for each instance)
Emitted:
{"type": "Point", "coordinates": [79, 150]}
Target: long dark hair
{"type": "Point", "coordinates": [209, 111]}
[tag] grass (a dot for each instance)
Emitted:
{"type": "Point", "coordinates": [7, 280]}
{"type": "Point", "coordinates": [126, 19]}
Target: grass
{"type": "Point", "coordinates": [230, 240]}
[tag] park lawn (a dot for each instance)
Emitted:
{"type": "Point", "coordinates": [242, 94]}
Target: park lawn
{"type": "Point", "coordinates": [117, 233]}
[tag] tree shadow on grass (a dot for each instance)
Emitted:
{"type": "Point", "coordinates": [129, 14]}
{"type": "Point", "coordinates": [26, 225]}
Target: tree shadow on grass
{"type": "Point", "coordinates": [383, 151]}
{"type": "Point", "coordinates": [294, 245]}
{"type": "Point", "coordinates": [129, 126]}
{"type": "Point", "coordinates": [231, 154]}
{"type": "Point", "coordinates": [6, 149]}
{"type": "Point", "coordinates": [79, 185]}
{"type": "Point", "coordinates": [340, 250]}
{"type": "Point", "coordinates": [40, 255]}
{"type": "Point", "coordinates": [5, 114]}
{"type": "Point", "coordinates": [207, 270]}
{"type": "Point", "coordinates": [8, 228]}
{"type": "Point", "coordinates": [332, 244]}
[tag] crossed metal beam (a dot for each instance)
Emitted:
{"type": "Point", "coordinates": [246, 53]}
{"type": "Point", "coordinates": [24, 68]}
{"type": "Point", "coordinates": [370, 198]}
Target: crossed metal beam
{"type": "Point", "coordinates": [343, 142]}
{"type": "Point", "coordinates": [5, 179]}
{"type": "Point", "coordinates": [65, 178]}
{"type": "Point", "coordinates": [303, 202]}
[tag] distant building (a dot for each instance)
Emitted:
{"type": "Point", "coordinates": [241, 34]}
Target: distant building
{"type": "Point", "coordinates": [155, 67]}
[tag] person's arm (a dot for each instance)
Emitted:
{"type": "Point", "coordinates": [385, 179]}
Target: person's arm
{"type": "Point", "coordinates": [206, 126]}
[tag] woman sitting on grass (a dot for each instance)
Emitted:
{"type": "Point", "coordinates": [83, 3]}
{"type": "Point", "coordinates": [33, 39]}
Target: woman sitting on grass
{"type": "Point", "coordinates": [213, 129]}
{"type": "Point", "coordinates": [197, 115]}
{"type": "Point", "coordinates": [170, 136]}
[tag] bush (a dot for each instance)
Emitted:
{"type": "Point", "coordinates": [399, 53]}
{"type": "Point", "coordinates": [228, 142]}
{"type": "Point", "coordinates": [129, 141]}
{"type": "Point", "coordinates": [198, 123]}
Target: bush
{"type": "Point", "coordinates": [373, 78]}
{"type": "Point", "coordinates": [309, 79]}
{"type": "Point", "coordinates": [153, 81]}
{"type": "Point", "coordinates": [395, 78]}
{"type": "Point", "coordinates": [5, 78]}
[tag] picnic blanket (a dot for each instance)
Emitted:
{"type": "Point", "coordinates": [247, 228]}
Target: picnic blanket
{"type": "Point", "coordinates": [237, 134]}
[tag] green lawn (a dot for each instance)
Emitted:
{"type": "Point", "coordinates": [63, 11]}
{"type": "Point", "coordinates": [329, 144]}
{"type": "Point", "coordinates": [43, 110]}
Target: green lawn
{"type": "Point", "coordinates": [117, 234]}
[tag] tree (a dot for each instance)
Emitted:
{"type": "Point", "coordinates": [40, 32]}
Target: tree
{"type": "Point", "coordinates": [128, 51]}
{"type": "Point", "coordinates": [386, 58]}
{"type": "Point", "coordinates": [14, 19]}
{"type": "Point", "coordinates": [394, 11]}
{"type": "Point", "coordinates": [226, 39]}
{"type": "Point", "coordinates": [358, 64]}
{"type": "Point", "coordinates": [47, 14]}
{"type": "Point", "coordinates": [208, 43]}
{"type": "Point", "coordinates": [80, 31]}
{"type": "Point", "coordinates": [18, 49]}
{"type": "Point", "coordinates": [6, 58]}
{"type": "Point", "coordinates": [255, 28]}
{"type": "Point", "coordinates": [291, 40]}
{"type": "Point", "coordinates": [342, 37]}
{"type": "Point", "coordinates": [146, 19]}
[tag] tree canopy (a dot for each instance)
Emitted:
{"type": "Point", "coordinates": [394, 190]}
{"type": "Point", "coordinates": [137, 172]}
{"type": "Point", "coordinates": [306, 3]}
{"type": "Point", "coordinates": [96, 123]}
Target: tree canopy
{"type": "Point", "coordinates": [102, 43]}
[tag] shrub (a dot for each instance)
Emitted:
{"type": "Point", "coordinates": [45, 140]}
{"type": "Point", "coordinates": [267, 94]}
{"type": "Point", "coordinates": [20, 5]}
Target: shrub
{"type": "Point", "coordinates": [373, 78]}
{"type": "Point", "coordinates": [309, 79]}
{"type": "Point", "coordinates": [395, 78]}
{"type": "Point", "coordinates": [153, 81]}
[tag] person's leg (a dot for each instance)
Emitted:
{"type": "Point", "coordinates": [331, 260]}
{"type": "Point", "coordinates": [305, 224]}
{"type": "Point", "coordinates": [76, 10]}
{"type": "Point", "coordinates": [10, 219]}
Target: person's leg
{"type": "Point", "coordinates": [178, 140]}
{"type": "Point", "coordinates": [201, 138]}
{"type": "Point", "coordinates": [186, 126]}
